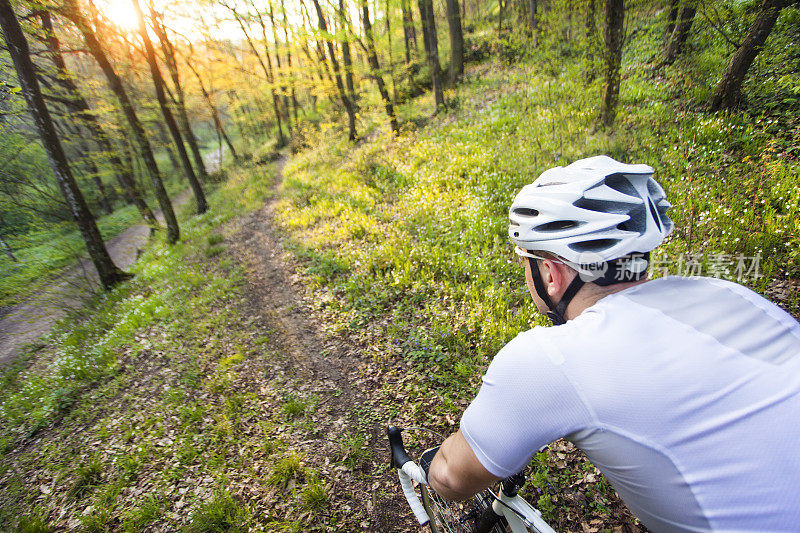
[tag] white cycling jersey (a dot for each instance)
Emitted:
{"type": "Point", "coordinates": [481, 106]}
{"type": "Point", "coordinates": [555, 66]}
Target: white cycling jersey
{"type": "Point", "coordinates": [684, 392]}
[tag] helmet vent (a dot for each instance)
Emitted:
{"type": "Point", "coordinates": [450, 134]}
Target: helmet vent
{"type": "Point", "coordinates": [526, 212]}
{"type": "Point", "coordinates": [594, 245]}
{"type": "Point", "coordinates": [637, 221]}
{"type": "Point", "coordinates": [655, 213]}
{"type": "Point", "coordinates": [557, 225]}
{"type": "Point", "coordinates": [620, 183]}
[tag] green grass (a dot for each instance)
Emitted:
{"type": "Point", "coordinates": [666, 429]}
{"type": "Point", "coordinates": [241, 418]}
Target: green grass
{"type": "Point", "coordinates": [355, 449]}
{"type": "Point", "coordinates": [87, 476]}
{"type": "Point", "coordinates": [150, 509]}
{"type": "Point", "coordinates": [45, 253]}
{"type": "Point", "coordinates": [171, 334]}
{"type": "Point", "coordinates": [87, 351]}
{"type": "Point", "coordinates": [220, 514]}
{"type": "Point", "coordinates": [314, 495]}
{"type": "Point", "coordinates": [294, 407]}
{"type": "Point", "coordinates": [285, 469]}
{"type": "Point", "coordinates": [410, 235]}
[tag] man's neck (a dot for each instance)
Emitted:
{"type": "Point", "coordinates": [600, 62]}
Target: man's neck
{"type": "Point", "coordinates": [590, 294]}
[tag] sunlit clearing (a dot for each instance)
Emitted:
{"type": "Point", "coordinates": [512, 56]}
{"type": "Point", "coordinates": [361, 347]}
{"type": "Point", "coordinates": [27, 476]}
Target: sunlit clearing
{"type": "Point", "coordinates": [119, 12]}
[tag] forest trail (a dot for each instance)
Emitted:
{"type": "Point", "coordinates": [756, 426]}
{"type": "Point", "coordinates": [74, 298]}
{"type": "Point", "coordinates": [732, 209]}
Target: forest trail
{"type": "Point", "coordinates": [30, 320]}
{"type": "Point", "coordinates": [324, 366]}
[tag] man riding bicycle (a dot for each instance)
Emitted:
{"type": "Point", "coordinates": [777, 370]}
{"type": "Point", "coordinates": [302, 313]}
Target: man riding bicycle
{"type": "Point", "coordinates": [684, 392]}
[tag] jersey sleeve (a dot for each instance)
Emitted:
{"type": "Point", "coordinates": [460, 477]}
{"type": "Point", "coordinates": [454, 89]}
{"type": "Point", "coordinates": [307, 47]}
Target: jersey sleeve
{"type": "Point", "coordinates": [525, 402]}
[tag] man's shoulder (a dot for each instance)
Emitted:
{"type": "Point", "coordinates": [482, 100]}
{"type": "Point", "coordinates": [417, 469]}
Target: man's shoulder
{"type": "Point", "coordinates": [537, 345]}
{"type": "Point", "coordinates": [693, 299]}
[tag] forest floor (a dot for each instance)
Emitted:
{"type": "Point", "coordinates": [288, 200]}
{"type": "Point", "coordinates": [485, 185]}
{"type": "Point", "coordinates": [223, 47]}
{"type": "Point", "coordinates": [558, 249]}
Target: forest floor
{"type": "Point", "coordinates": [32, 319]}
{"type": "Point", "coordinates": [347, 425]}
{"type": "Point", "coordinates": [241, 413]}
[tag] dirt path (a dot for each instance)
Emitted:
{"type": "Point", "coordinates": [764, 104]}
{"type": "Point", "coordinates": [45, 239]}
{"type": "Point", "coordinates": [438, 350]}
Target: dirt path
{"type": "Point", "coordinates": [28, 321]}
{"type": "Point", "coordinates": [328, 367]}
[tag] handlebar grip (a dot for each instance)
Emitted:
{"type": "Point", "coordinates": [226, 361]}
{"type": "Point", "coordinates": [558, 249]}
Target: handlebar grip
{"type": "Point", "coordinates": [412, 471]}
{"type": "Point", "coordinates": [399, 455]}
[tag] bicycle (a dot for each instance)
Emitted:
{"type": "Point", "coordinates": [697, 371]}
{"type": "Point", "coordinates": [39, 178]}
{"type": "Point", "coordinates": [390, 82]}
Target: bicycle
{"type": "Point", "coordinates": [487, 512]}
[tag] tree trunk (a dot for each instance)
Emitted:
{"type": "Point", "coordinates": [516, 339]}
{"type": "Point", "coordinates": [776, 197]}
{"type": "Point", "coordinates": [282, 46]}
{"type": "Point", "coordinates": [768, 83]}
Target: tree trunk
{"type": "Point", "coordinates": [7, 250]}
{"type": "Point", "coordinates": [99, 135]}
{"type": "Point", "coordinates": [672, 16]}
{"type": "Point", "coordinates": [408, 26]}
{"type": "Point", "coordinates": [284, 96]}
{"type": "Point", "coordinates": [387, 21]}
{"type": "Point", "coordinates": [267, 73]}
{"type": "Point", "coordinates": [615, 18]}
{"type": "Point", "coordinates": [104, 201]}
{"type": "Point", "coordinates": [115, 84]}
{"type": "Point", "coordinates": [107, 271]}
{"type": "Point", "coordinates": [680, 33]}
{"type": "Point", "coordinates": [346, 55]}
{"type": "Point", "coordinates": [500, 18]}
{"type": "Point", "coordinates": [285, 23]}
{"type": "Point", "coordinates": [348, 104]}
{"type": "Point", "coordinates": [180, 100]}
{"type": "Point", "coordinates": [726, 95]}
{"type": "Point", "coordinates": [158, 82]}
{"type": "Point", "coordinates": [432, 49]}
{"type": "Point", "coordinates": [535, 21]}
{"type": "Point", "coordinates": [372, 57]}
{"type": "Point", "coordinates": [213, 108]}
{"type": "Point", "coordinates": [591, 27]}
{"type": "Point", "coordinates": [163, 141]}
{"type": "Point", "coordinates": [456, 41]}
{"type": "Point", "coordinates": [68, 130]}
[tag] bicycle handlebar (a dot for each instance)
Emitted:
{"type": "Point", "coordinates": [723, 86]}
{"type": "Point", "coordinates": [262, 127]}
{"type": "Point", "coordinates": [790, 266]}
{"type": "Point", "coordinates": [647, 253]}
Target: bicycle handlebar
{"type": "Point", "coordinates": [399, 455]}
{"type": "Point", "coordinates": [407, 470]}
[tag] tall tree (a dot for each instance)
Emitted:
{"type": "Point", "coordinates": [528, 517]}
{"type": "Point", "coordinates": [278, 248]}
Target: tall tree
{"type": "Point", "coordinates": [71, 11]}
{"type": "Point", "coordinates": [274, 74]}
{"type": "Point", "coordinates": [432, 49]}
{"type": "Point", "coordinates": [180, 100]}
{"type": "Point", "coordinates": [500, 6]}
{"type": "Point", "coordinates": [281, 73]}
{"type": "Point", "coordinates": [78, 104]}
{"type": "Point", "coordinates": [456, 40]}
{"type": "Point", "coordinates": [409, 30]}
{"type": "Point", "coordinates": [726, 94]}
{"type": "Point", "coordinates": [347, 60]}
{"type": "Point", "coordinates": [349, 106]}
{"type": "Point", "coordinates": [107, 271]}
{"type": "Point", "coordinates": [285, 24]}
{"type": "Point", "coordinates": [372, 57]}
{"type": "Point", "coordinates": [680, 32]}
{"type": "Point", "coordinates": [672, 16]}
{"type": "Point", "coordinates": [615, 18]}
{"type": "Point", "coordinates": [267, 70]}
{"type": "Point", "coordinates": [214, 113]}
{"type": "Point", "coordinates": [535, 20]}
{"type": "Point", "coordinates": [158, 83]}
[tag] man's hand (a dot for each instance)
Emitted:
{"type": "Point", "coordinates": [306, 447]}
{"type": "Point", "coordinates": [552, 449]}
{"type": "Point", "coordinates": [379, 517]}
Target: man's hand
{"type": "Point", "coordinates": [455, 473]}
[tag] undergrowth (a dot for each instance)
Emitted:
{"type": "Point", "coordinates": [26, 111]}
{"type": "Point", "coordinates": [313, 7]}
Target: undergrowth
{"type": "Point", "coordinates": [404, 241]}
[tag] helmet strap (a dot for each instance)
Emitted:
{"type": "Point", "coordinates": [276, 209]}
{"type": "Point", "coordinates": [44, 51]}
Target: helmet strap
{"type": "Point", "coordinates": [556, 313]}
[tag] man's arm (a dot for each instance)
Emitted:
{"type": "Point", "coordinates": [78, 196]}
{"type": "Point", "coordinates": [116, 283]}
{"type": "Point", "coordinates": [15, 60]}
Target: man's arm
{"type": "Point", "coordinates": [455, 473]}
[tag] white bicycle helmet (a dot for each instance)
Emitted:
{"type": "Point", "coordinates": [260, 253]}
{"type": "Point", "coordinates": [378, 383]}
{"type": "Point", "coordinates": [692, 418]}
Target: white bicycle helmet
{"type": "Point", "coordinates": [589, 214]}
{"type": "Point", "coordinates": [594, 210]}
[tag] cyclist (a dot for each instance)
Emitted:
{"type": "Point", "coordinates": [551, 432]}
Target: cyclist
{"type": "Point", "coordinates": [684, 392]}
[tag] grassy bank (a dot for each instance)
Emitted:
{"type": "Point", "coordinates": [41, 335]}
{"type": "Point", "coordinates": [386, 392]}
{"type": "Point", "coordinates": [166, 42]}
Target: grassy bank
{"type": "Point", "coordinates": [140, 404]}
{"type": "Point", "coordinates": [404, 241]}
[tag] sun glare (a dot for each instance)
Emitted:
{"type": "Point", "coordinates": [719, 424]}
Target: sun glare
{"type": "Point", "coordinates": [120, 13]}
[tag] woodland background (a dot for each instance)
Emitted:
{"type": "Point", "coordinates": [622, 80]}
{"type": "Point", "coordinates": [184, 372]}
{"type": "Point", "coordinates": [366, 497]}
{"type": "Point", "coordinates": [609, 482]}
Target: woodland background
{"type": "Point", "coordinates": [369, 150]}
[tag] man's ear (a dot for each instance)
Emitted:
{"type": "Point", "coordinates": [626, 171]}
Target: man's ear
{"type": "Point", "coordinates": [553, 277]}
